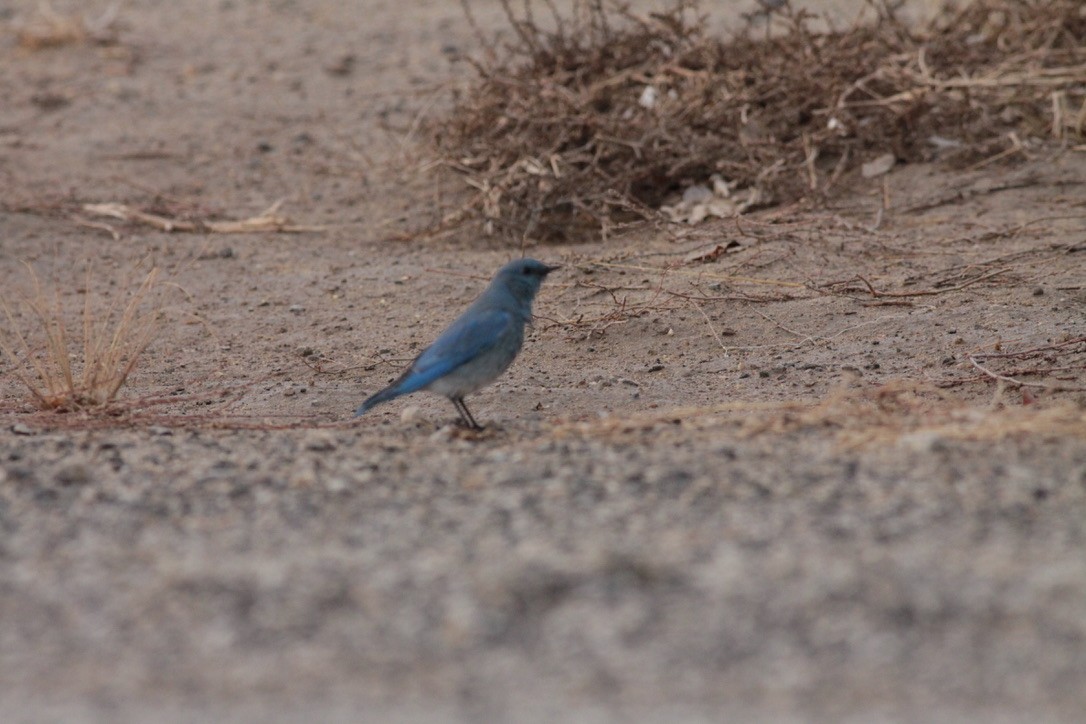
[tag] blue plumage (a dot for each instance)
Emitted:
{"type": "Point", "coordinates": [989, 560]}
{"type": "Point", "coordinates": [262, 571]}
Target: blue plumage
{"type": "Point", "coordinates": [478, 346]}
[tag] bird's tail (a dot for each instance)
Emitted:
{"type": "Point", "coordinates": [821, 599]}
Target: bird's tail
{"type": "Point", "coordinates": [389, 393]}
{"type": "Point", "coordinates": [405, 384]}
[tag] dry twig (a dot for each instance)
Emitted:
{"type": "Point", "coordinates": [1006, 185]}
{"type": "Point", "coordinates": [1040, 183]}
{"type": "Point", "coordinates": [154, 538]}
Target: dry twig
{"type": "Point", "coordinates": [270, 221]}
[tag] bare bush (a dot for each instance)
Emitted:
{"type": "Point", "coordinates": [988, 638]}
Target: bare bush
{"type": "Point", "coordinates": [605, 115]}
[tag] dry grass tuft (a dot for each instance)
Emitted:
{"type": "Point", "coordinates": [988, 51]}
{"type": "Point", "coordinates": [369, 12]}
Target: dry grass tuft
{"type": "Point", "coordinates": [43, 358]}
{"type": "Point", "coordinates": [51, 29]}
{"type": "Point", "coordinates": [900, 412]}
{"type": "Point", "coordinates": [914, 414]}
{"type": "Point", "coordinates": [606, 115]}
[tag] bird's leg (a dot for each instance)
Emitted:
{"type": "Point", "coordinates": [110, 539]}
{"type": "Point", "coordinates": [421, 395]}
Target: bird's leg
{"type": "Point", "coordinates": [456, 403]}
{"type": "Point", "coordinates": [465, 414]}
{"type": "Point", "coordinates": [465, 419]}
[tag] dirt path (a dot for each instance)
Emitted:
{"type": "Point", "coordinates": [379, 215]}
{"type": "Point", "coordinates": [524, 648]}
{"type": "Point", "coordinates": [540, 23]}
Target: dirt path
{"type": "Point", "coordinates": [782, 484]}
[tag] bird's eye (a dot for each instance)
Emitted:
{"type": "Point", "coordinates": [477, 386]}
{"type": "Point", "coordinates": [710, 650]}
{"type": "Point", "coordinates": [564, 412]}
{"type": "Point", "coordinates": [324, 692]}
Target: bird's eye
{"type": "Point", "coordinates": [527, 271]}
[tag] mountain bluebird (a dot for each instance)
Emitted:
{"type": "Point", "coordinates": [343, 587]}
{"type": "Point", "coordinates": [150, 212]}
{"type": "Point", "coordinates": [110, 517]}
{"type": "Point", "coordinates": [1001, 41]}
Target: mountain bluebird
{"type": "Point", "coordinates": [478, 346]}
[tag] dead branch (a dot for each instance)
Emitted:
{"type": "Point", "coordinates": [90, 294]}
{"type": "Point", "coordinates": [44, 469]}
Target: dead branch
{"type": "Point", "coordinates": [270, 221]}
{"type": "Point", "coordinates": [1021, 383]}
{"type": "Point", "coordinates": [930, 292]}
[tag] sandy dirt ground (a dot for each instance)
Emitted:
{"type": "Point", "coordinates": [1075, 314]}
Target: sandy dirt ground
{"type": "Point", "coordinates": [766, 486]}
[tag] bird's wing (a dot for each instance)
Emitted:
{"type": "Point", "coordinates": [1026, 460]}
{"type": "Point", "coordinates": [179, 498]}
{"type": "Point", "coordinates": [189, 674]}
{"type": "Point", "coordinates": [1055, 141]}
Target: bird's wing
{"type": "Point", "coordinates": [464, 340]}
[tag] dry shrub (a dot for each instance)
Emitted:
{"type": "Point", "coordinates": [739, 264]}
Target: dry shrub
{"type": "Point", "coordinates": [559, 134]}
{"type": "Point", "coordinates": [40, 349]}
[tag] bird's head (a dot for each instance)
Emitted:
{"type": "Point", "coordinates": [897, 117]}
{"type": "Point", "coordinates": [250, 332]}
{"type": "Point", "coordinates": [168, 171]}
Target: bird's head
{"type": "Point", "coordinates": [522, 278]}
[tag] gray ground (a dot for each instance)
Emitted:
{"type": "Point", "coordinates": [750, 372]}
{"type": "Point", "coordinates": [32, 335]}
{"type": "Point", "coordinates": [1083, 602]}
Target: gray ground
{"type": "Point", "coordinates": [712, 491]}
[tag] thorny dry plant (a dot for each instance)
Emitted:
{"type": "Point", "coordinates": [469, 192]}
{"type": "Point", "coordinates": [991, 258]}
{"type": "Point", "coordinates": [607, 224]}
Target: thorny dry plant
{"type": "Point", "coordinates": [45, 358]}
{"type": "Point", "coordinates": [604, 115]}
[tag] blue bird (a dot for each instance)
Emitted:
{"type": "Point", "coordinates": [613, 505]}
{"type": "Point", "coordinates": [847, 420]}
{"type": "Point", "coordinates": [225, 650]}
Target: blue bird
{"type": "Point", "coordinates": [478, 346]}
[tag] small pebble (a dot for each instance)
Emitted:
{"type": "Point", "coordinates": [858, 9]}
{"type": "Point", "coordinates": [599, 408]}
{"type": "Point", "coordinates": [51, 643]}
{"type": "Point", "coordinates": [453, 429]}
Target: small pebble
{"type": "Point", "coordinates": [304, 477]}
{"type": "Point", "coordinates": [320, 441]}
{"type": "Point", "coordinates": [336, 485]}
{"type": "Point", "coordinates": [343, 65]}
{"type": "Point", "coordinates": [73, 474]}
{"type": "Point", "coordinates": [443, 435]}
{"type": "Point", "coordinates": [411, 414]}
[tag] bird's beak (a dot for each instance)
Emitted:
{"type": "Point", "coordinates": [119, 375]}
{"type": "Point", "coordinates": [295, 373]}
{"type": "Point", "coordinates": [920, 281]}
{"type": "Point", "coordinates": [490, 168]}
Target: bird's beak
{"type": "Point", "coordinates": [552, 268]}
